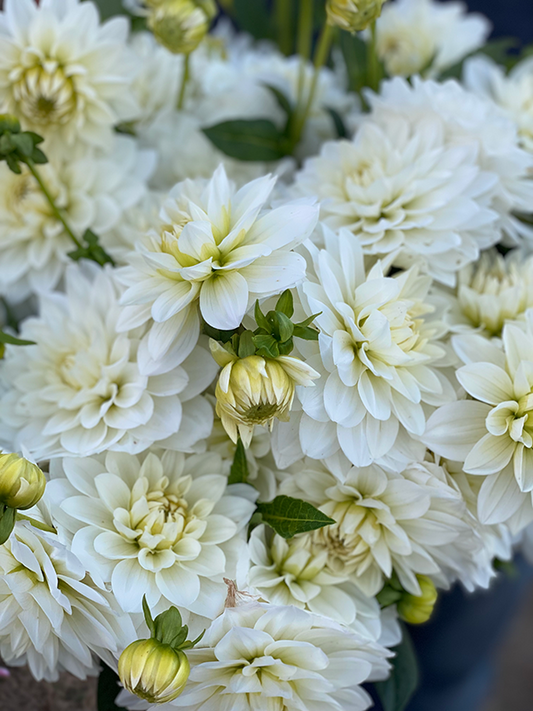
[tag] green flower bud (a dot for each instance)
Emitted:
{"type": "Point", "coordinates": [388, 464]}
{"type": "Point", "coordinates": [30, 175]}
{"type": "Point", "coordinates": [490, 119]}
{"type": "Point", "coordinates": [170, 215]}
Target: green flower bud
{"type": "Point", "coordinates": [353, 15]}
{"type": "Point", "coordinates": [418, 609]}
{"type": "Point", "coordinates": [180, 25]}
{"type": "Point", "coordinates": [153, 671]}
{"type": "Point", "coordinates": [22, 483]}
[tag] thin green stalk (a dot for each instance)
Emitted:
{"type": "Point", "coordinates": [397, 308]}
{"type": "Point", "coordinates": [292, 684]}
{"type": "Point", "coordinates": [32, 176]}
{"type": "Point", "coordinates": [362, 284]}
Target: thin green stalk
{"type": "Point", "coordinates": [57, 212]}
{"type": "Point", "coordinates": [184, 80]}
{"type": "Point", "coordinates": [283, 15]}
{"type": "Point", "coordinates": [36, 524]}
{"type": "Point", "coordinates": [372, 60]}
{"type": "Point", "coordinates": [321, 56]}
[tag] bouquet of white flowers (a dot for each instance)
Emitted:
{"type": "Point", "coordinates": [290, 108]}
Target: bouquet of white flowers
{"type": "Point", "coordinates": [266, 384]}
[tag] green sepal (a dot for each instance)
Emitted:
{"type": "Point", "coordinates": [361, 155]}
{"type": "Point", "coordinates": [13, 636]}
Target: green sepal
{"type": "Point", "coordinates": [267, 346]}
{"type": "Point", "coordinates": [148, 616]}
{"type": "Point", "coordinates": [285, 303]}
{"type": "Point", "coordinates": [260, 318]}
{"type": "Point", "coordinates": [12, 341]}
{"type": "Point", "coordinates": [239, 468]}
{"type": "Point", "coordinates": [246, 345]}
{"type": "Point", "coordinates": [8, 518]}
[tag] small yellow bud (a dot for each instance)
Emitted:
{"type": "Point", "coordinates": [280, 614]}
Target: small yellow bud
{"type": "Point", "coordinates": [353, 15]}
{"type": "Point", "coordinates": [417, 610]}
{"type": "Point", "coordinates": [153, 671]}
{"type": "Point", "coordinates": [180, 25]}
{"type": "Point", "coordinates": [22, 483]}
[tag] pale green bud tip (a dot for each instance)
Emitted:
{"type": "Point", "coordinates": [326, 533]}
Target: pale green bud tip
{"type": "Point", "coordinates": [418, 609]}
{"type": "Point", "coordinates": [180, 25]}
{"type": "Point", "coordinates": [22, 483]}
{"type": "Point", "coordinates": [353, 15]}
{"type": "Point", "coordinates": [153, 671]}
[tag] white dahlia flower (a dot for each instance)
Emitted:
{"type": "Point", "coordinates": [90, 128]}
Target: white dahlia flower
{"type": "Point", "coordinates": [94, 189]}
{"type": "Point", "coordinates": [218, 249]}
{"type": "Point", "coordinates": [65, 75]}
{"type": "Point", "coordinates": [492, 432]}
{"type": "Point", "coordinates": [78, 390]}
{"type": "Point", "coordinates": [378, 344]}
{"type": "Point", "coordinates": [258, 656]}
{"type": "Point", "coordinates": [401, 188]}
{"type": "Point", "coordinates": [296, 572]}
{"type": "Point", "coordinates": [489, 293]}
{"type": "Point", "coordinates": [411, 523]}
{"type": "Point", "coordinates": [427, 37]}
{"type": "Point", "coordinates": [52, 616]}
{"type": "Point", "coordinates": [512, 93]}
{"type": "Point", "coordinates": [469, 120]}
{"type": "Point", "coordinates": [166, 527]}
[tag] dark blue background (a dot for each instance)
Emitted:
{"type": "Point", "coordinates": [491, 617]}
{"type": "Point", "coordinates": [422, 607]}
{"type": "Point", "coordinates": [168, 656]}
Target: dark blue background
{"type": "Point", "coordinates": [511, 18]}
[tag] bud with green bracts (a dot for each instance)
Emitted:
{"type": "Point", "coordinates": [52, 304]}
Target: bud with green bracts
{"type": "Point", "coordinates": [153, 671]}
{"type": "Point", "coordinates": [22, 483]}
{"type": "Point", "coordinates": [353, 15]}
{"type": "Point", "coordinates": [180, 25]}
{"type": "Point", "coordinates": [418, 609]}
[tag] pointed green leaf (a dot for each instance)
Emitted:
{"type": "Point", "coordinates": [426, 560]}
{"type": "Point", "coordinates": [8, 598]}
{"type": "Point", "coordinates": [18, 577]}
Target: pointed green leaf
{"type": "Point", "coordinates": [288, 516]}
{"type": "Point", "coordinates": [286, 303]}
{"type": "Point", "coordinates": [261, 319]}
{"type": "Point", "coordinates": [24, 144]}
{"type": "Point", "coordinates": [7, 523]}
{"type": "Point", "coordinates": [282, 100]}
{"type": "Point", "coordinates": [308, 334]}
{"type": "Point", "coordinates": [12, 341]}
{"type": "Point", "coordinates": [251, 140]}
{"type": "Point", "coordinates": [308, 321]}
{"type": "Point", "coordinates": [239, 468]}
{"type": "Point", "coordinates": [396, 692]}
{"type": "Point", "coordinates": [168, 627]}
{"type": "Point", "coordinates": [148, 616]}
{"type": "Point", "coordinates": [285, 326]}
{"type": "Point", "coordinates": [338, 122]}
{"type": "Point", "coordinates": [267, 346]}
{"type": "Point", "coordinates": [246, 344]}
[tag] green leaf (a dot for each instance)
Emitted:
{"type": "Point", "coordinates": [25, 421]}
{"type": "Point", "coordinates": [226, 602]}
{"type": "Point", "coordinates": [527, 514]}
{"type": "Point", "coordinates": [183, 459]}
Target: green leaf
{"type": "Point", "coordinates": [308, 334]}
{"type": "Point", "coordinates": [254, 16]}
{"type": "Point", "coordinates": [24, 143]}
{"type": "Point", "coordinates": [246, 344]}
{"type": "Point", "coordinates": [340, 126]}
{"type": "Point", "coordinates": [288, 516]}
{"type": "Point", "coordinates": [169, 628]}
{"type": "Point", "coordinates": [396, 692]}
{"type": "Point", "coordinates": [286, 303]}
{"type": "Point", "coordinates": [239, 468]}
{"type": "Point", "coordinates": [284, 326]}
{"type": "Point", "coordinates": [286, 348]}
{"type": "Point", "coordinates": [282, 100]}
{"type": "Point", "coordinates": [108, 690]}
{"type": "Point", "coordinates": [388, 596]}
{"type": "Point", "coordinates": [267, 346]}
{"type": "Point", "coordinates": [252, 140]}
{"type": "Point", "coordinates": [7, 522]}
{"type": "Point", "coordinates": [261, 319]}
{"type": "Point", "coordinates": [309, 321]}
{"type": "Point", "coordinates": [148, 616]}
{"type": "Point", "coordinates": [217, 335]}
{"type": "Point", "coordinates": [354, 51]}
{"type": "Point", "coordinates": [13, 164]}
{"type": "Point", "coordinates": [12, 341]}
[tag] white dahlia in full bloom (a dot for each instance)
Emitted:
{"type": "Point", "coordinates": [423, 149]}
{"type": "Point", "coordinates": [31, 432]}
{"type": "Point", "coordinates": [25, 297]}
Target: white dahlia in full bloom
{"type": "Point", "coordinates": [219, 248]}
{"type": "Point", "coordinates": [167, 526]}
{"type": "Point", "coordinates": [78, 390]}
{"type": "Point", "coordinates": [411, 523]}
{"type": "Point", "coordinates": [512, 93]}
{"type": "Point", "coordinates": [52, 615]}
{"type": "Point", "coordinates": [469, 120]}
{"type": "Point", "coordinates": [257, 656]}
{"type": "Point", "coordinates": [426, 37]}
{"type": "Point", "coordinates": [93, 188]}
{"type": "Point", "coordinates": [401, 188]}
{"type": "Point", "coordinates": [492, 431]}
{"type": "Point", "coordinates": [66, 76]}
{"type": "Point", "coordinates": [489, 293]}
{"type": "Point", "coordinates": [379, 347]}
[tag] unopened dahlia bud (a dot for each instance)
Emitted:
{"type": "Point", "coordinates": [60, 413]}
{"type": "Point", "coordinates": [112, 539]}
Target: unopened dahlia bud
{"type": "Point", "coordinates": [353, 15]}
{"type": "Point", "coordinates": [153, 671]}
{"type": "Point", "coordinates": [22, 483]}
{"type": "Point", "coordinates": [417, 610]}
{"type": "Point", "coordinates": [255, 390]}
{"type": "Point", "coordinates": [180, 25]}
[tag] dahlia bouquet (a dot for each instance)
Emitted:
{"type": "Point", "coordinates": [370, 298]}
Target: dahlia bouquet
{"type": "Point", "coordinates": [267, 350]}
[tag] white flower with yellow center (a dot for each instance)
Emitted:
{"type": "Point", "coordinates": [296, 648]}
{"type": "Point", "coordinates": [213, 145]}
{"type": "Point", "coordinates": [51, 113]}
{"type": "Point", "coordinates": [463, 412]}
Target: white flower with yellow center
{"type": "Point", "coordinates": [427, 37]}
{"type": "Point", "coordinates": [78, 390]}
{"type": "Point", "coordinates": [378, 346]}
{"type": "Point", "coordinates": [512, 93]}
{"type": "Point", "coordinates": [165, 527]}
{"type": "Point", "coordinates": [258, 656]}
{"type": "Point", "coordinates": [66, 76]}
{"type": "Point", "coordinates": [469, 121]}
{"type": "Point", "coordinates": [400, 188]}
{"type": "Point", "coordinates": [219, 248]}
{"type": "Point", "coordinates": [490, 292]}
{"type": "Point", "coordinates": [492, 433]}
{"type": "Point", "coordinates": [93, 189]}
{"type": "Point", "coordinates": [411, 523]}
{"type": "Point", "coordinates": [52, 615]}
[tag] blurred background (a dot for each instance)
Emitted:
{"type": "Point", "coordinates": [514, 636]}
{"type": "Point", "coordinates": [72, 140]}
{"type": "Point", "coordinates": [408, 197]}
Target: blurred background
{"type": "Point", "coordinates": [483, 644]}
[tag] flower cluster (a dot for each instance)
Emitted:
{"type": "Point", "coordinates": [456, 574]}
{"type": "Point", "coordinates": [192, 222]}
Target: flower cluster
{"type": "Point", "coordinates": [266, 358]}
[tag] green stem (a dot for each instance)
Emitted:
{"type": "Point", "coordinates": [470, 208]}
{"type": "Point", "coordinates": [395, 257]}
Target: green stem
{"type": "Point", "coordinates": [321, 55]}
{"type": "Point", "coordinates": [184, 80]}
{"type": "Point", "coordinates": [283, 17]}
{"type": "Point", "coordinates": [372, 60]}
{"type": "Point", "coordinates": [36, 524]}
{"type": "Point", "coordinates": [57, 212]}
{"type": "Point", "coordinates": [304, 46]}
